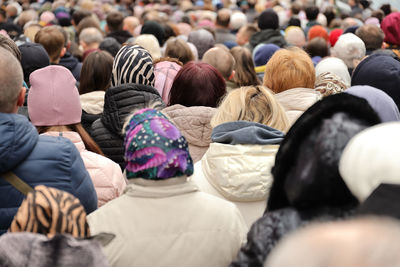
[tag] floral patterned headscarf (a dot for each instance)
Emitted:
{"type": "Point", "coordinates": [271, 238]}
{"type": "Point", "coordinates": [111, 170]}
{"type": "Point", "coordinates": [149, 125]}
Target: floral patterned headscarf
{"type": "Point", "coordinates": [154, 148]}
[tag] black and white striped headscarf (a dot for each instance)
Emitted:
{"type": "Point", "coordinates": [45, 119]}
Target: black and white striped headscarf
{"type": "Point", "coordinates": [132, 64]}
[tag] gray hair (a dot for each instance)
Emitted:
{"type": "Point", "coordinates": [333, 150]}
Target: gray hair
{"type": "Point", "coordinates": [349, 47]}
{"type": "Point", "coordinates": [11, 79]}
{"type": "Point", "coordinates": [91, 35]}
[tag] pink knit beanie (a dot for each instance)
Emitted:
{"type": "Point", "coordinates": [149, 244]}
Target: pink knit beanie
{"type": "Point", "coordinates": [53, 98]}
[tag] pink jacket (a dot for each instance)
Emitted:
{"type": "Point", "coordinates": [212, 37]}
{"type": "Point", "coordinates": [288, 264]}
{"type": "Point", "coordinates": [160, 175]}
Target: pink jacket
{"type": "Point", "coordinates": [106, 175]}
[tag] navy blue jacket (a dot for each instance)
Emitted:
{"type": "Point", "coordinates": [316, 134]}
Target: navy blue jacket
{"type": "Point", "coordinates": [52, 161]}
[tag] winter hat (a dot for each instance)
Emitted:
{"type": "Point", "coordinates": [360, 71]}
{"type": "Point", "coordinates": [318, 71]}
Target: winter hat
{"type": "Point", "coordinates": [379, 71]}
{"type": "Point", "coordinates": [351, 29]}
{"type": "Point", "coordinates": [268, 19]}
{"type": "Point", "coordinates": [372, 158]}
{"type": "Point", "coordinates": [110, 45]}
{"type": "Point", "coordinates": [154, 147]}
{"type": "Point", "coordinates": [50, 211]}
{"type": "Point", "coordinates": [263, 52]}
{"type": "Point", "coordinates": [295, 36]}
{"type": "Point", "coordinates": [132, 64]}
{"type": "Point", "coordinates": [165, 72]}
{"type": "Point", "coordinates": [154, 28]}
{"type": "Point", "coordinates": [336, 66]}
{"type": "Point", "coordinates": [334, 36]}
{"type": "Point", "coordinates": [202, 40]}
{"type": "Point", "coordinates": [379, 101]}
{"type": "Point", "coordinates": [391, 27]}
{"type": "Point", "coordinates": [306, 171]}
{"type": "Point", "coordinates": [34, 57]}
{"type": "Point", "coordinates": [53, 98]}
{"type": "Point", "coordinates": [328, 83]}
{"type": "Point", "coordinates": [318, 31]}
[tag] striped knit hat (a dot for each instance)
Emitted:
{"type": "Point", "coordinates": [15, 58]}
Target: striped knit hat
{"type": "Point", "coordinates": [132, 64]}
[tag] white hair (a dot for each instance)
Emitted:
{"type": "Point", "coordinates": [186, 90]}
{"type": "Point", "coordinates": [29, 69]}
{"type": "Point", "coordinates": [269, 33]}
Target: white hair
{"type": "Point", "coordinates": [91, 35]}
{"type": "Point", "coordinates": [238, 19]}
{"type": "Point", "coordinates": [150, 43]}
{"type": "Point", "coordinates": [349, 47]}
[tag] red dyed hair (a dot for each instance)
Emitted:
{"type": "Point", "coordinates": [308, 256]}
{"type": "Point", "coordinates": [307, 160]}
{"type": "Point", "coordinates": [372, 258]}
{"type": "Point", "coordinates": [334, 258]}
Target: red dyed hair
{"type": "Point", "coordinates": [197, 84]}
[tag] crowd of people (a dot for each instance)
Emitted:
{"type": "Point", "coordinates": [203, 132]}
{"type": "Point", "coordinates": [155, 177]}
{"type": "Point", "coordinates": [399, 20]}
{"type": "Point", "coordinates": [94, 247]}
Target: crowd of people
{"type": "Point", "coordinates": [199, 133]}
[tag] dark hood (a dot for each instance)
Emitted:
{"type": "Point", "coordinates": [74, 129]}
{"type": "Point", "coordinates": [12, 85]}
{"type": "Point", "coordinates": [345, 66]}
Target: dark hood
{"type": "Point", "coordinates": [120, 101]}
{"type": "Point", "coordinates": [18, 137]}
{"type": "Point", "coordinates": [69, 61]}
{"type": "Point", "coordinates": [245, 132]}
{"type": "Point", "coordinates": [121, 36]}
{"type": "Point", "coordinates": [306, 171]}
{"type": "Point", "coordinates": [268, 36]}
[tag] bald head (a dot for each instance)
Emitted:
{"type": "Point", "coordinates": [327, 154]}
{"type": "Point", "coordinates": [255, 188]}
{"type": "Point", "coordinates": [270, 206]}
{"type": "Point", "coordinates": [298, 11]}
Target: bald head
{"type": "Point", "coordinates": [366, 242]}
{"type": "Point", "coordinates": [91, 37]}
{"type": "Point", "coordinates": [221, 59]}
{"type": "Point", "coordinates": [130, 23]}
{"type": "Point", "coordinates": [223, 17]}
{"type": "Point", "coordinates": [11, 78]}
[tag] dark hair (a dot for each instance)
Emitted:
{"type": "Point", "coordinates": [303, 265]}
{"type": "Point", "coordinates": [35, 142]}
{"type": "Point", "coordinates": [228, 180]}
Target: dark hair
{"type": "Point", "coordinates": [179, 49]}
{"type": "Point", "coordinates": [87, 23]}
{"type": "Point", "coordinates": [245, 75]}
{"type": "Point", "coordinates": [294, 22]}
{"type": "Point", "coordinates": [96, 72]}
{"type": "Point", "coordinates": [330, 14]}
{"type": "Point", "coordinates": [317, 47]}
{"type": "Point", "coordinates": [312, 12]}
{"type": "Point", "coordinates": [115, 21]}
{"type": "Point", "coordinates": [379, 14]}
{"type": "Point", "coordinates": [90, 144]}
{"type": "Point", "coordinates": [52, 39]}
{"type": "Point", "coordinates": [197, 84]}
{"type": "Point", "coordinates": [79, 15]}
{"type": "Point", "coordinates": [386, 8]}
{"type": "Point", "coordinates": [223, 18]}
{"type": "Point", "coordinates": [371, 35]}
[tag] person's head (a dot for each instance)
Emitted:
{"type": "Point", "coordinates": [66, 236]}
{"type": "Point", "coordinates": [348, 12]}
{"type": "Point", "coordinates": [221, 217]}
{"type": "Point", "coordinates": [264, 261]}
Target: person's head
{"type": "Point", "coordinates": [115, 21]}
{"type": "Point", "coordinates": [154, 28]}
{"type": "Point", "coordinates": [90, 38]}
{"type": "Point", "coordinates": [96, 72]}
{"type": "Point", "coordinates": [306, 172]}
{"type": "Point", "coordinates": [12, 93]}
{"type": "Point", "coordinates": [10, 45]}
{"type": "Point", "coordinates": [317, 47]}
{"type": "Point", "coordinates": [371, 35]}
{"type": "Point", "coordinates": [245, 75]}
{"type": "Point", "coordinates": [50, 211]}
{"type": "Point", "coordinates": [336, 66]}
{"type": "Point", "coordinates": [238, 20]}
{"type": "Point", "coordinates": [328, 83]}
{"type": "Point", "coordinates": [318, 31]}
{"type": "Point", "coordinates": [254, 104]}
{"type": "Point", "coordinates": [26, 16]}
{"type": "Point", "coordinates": [262, 53]}
{"type": "Point", "coordinates": [222, 60]}
{"type": "Point", "coordinates": [289, 68]}
{"type": "Point", "coordinates": [34, 57]}
{"type": "Point", "coordinates": [88, 22]}
{"type": "Point", "coordinates": [223, 18]}
{"type": "Point", "coordinates": [154, 147]}
{"type": "Point", "coordinates": [79, 15]}
{"type": "Point", "coordinates": [202, 40]}
{"type": "Point", "coordinates": [312, 12]}
{"type": "Point", "coordinates": [334, 36]}
{"type": "Point", "coordinates": [52, 39]}
{"type": "Point", "coordinates": [31, 29]}
{"type": "Point", "coordinates": [244, 34]}
{"type": "Point", "coordinates": [132, 64]}
{"type": "Point", "coordinates": [350, 49]}
{"type": "Point", "coordinates": [366, 241]}
{"type": "Point", "coordinates": [165, 70]}
{"type": "Point", "coordinates": [268, 19]}
{"type": "Point", "coordinates": [130, 23]}
{"type": "Point", "coordinates": [150, 43]}
{"type": "Point", "coordinates": [110, 45]}
{"type": "Point", "coordinates": [197, 84]}
{"type": "Point", "coordinates": [391, 27]}
{"type": "Point", "coordinates": [295, 36]}
{"type": "Point", "coordinates": [179, 49]}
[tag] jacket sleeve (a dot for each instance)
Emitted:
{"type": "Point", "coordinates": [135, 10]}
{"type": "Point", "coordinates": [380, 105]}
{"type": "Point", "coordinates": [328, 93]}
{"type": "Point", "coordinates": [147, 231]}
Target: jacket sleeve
{"type": "Point", "coordinates": [81, 182]}
{"type": "Point", "coordinates": [117, 179]}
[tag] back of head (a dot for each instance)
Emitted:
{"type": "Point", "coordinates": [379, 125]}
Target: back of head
{"type": "Point", "coordinates": [154, 28]}
{"type": "Point", "coordinates": [53, 99]}
{"type": "Point", "coordinates": [371, 35]}
{"type": "Point", "coordinates": [262, 53]}
{"type": "Point", "coordinates": [317, 47]}
{"type": "Point", "coordinates": [150, 43]}
{"type": "Point", "coordinates": [221, 59]}
{"type": "Point", "coordinates": [350, 49]}
{"type": "Point", "coordinates": [179, 49]}
{"type": "Point", "coordinates": [336, 66]}
{"type": "Point", "coordinates": [90, 36]}
{"type": "Point", "coordinates": [245, 75]}
{"type": "Point", "coordinates": [289, 68]}
{"type": "Point", "coordinates": [238, 19]}
{"type": "Point", "coordinates": [295, 36]}
{"type": "Point", "coordinates": [52, 39]}
{"type": "Point", "coordinates": [306, 171]}
{"type": "Point", "coordinates": [110, 45]}
{"type": "Point", "coordinates": [318, 31]}
{"type": "Point", "coordinates": [10, 81]}
{"type": "Point", "coordinates": [34, 57]}
{"type": "Point", "coordinates": [10, 45]}
{"type": "Point", "coordinates": [312, 12]}
{"type": "Point", "coordinates": [391, 27]}
{"type": "Point", "coordinates": [268, 19]}
{"type": "Point", "coordinates": [367, 242]}
{"type": "Point", "coordinates": [223, 17]}
{"type": "Point", "coordinates": [132, 64]}
{"type": "Point", "coordinates": [197, 84]}
{"type": "Point", "coordinates": [115, 21]}
{"type": "Point", "coordinates": [203, 40]}
{"type": "Point", "coordinates": [254, 104]}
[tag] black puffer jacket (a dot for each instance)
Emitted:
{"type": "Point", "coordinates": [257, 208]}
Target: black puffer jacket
{"type": "Point", "coordinates": [119, 102]}
{"type": "Point", "coordinates": [267, 36]}
{"type": "Point", "coordinates": [307, 185]}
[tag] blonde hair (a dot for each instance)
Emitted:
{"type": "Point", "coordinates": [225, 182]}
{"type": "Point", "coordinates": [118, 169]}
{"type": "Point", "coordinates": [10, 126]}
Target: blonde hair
{"type": "Point", "coordinates": [251, 103]}
{"type": "Point", "coordinates": [289, 68]}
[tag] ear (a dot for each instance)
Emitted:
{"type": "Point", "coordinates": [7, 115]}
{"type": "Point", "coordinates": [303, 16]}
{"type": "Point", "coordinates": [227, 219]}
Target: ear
{"type": "Point", "coordinates": [232, 75]}
{"type": "Point", "coordinates": [106, 28]}
{"type": "Point", "coordinates": [21, 97]}
{"type": "Point", "coordinates": [63, 51]}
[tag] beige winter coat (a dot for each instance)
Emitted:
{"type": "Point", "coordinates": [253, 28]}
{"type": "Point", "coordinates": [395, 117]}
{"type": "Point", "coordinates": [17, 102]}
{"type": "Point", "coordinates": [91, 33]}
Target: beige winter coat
{"type": "Point", "coordinates": [296, 101]}
{"type": "Point", "coordinates": [106, 175]}
{"type": "Point", "coordinates": [238, 173]}
{"type": "Point", "coordinates": [169, 223]}
{"type": "Point", "coordinates": [194, 124]}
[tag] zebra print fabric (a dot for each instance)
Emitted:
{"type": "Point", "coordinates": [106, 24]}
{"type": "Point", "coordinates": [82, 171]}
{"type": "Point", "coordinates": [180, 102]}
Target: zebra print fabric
{"type": "Point", "coordinates": [132, 64]}
{"type": "Point", "coordinates": [50, 211]}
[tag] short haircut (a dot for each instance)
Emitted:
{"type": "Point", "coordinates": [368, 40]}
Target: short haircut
{"type": "Point", "coordinates": [317, 47]}
{"type": "Point", "coordinates": [115, 21]}
{"type": "Point", "coordinates": [349, 47]}
{"type": "Point", "coordinates": [250, 29]}
{"type": "Point", "coordinates": [221, 59]}
{"type": "Point", "coordinates": [289, 68]}
{"type": "Point", "coordinates": [312, 12]}
{"type": "Point", "coordinates": [296, 7]}
{"type": "Point", "coordinates": [371, 35]}
{"type": "Point", "coordinates": [223, 17]}
{"type": "Point", "coordinates": [91, 35]}
{"type": "Point", "coordinates": [11, 46]}
{"type": "Point", "coordinates": [52, 39]}
{"type": "Point", "coordinates": [179, 49]}
{"type": "Point", "coordinates": [87, 23]}
{"type": "Point", "coordinates": [79, 15]}
{"type": "Point", "coordinates": [251, 103]}
{"type": "Point", "coordinates": [197, 84]}
{"type": "Point", "coordinates": [11, 78]}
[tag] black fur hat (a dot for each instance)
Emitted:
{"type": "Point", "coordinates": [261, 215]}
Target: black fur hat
{"type": "Point", "coordinates": [306, 171]}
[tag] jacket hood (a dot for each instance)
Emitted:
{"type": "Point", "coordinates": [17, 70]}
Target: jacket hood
{"type": "Point", "coordinates": [391, 27]}
{"type": "Point", "coordinates": [120, 101]}
{"type": "Point", "coordinates": [269, 36]}
{"type": "Point", "coordinates": [245, 132]}
{"type": "Point", "coordinates": [306, 172]}
{"type": "Point", "coordinates": [298, 99]}
{"type": "Point", "coordinates": [18, 139]}
{"type": "Point", "coordinates": [93, 102]}
{"type": "Point", "coordinates": [69, 61]}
